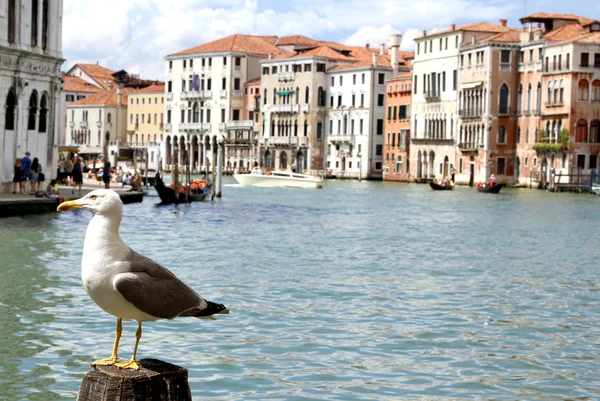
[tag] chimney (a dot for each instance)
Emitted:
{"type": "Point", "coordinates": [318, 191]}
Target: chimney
{"type": "Point", "coordinates": [424, 32]}
{"type": "Point", "coordinates": [453, 27]}
{"type": "Point", "coordinates": [97, 63]}
{"type": "Point", "coordinates": [374, 60]}
{"type": "Point", "coordinates": [270, 56]}
{"type": "Point", "coordinates": [382, 49]}
{"type": "Point", "coordinates": [503, 22]}
{"type": "Point", "coordinates": [119, 95]}
{"type": "Point", "coordinates": [367, 46]}
{"type": "Point", "coordinates": [395, 40]}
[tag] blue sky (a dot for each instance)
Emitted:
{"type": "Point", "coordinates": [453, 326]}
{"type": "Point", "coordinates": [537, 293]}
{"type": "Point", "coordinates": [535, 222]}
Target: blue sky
{"type": "Point", "coordinates": [142, 32]}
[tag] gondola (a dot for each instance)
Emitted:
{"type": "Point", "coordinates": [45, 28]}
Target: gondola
{"type": "Point", "coordinates": [438, 187]}
{"type": "Point", "coordinates": [494, 189]}
{"type": "Point", "coordinates": [168, 196]}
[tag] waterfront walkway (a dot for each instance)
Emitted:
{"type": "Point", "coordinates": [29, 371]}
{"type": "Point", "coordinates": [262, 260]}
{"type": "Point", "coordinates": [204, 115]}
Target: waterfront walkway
{"type": "Point", "coordinates": [18, 204]}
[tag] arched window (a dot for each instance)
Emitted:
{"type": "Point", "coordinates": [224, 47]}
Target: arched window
{"type": "Point", "coordinates": [520, 99]}
{"type": "Point", "coordinates": [527, 135]}
{"type": "Point", "coordinates": [12, 21]}
{"type": "Point", "coordinates": [306, 95]}
{"type": "Point", "coordinates": [274, 96]}
{"type": "Point", "coordinates": [583, 92]}
{"type": "Point", "coordinates": [109, 118]}
{"type": "Point", "coordinates": [529, 99]}
{"type": "Point", "coordinates": [319, 130]}
{"type": "Point", "coordinates": [556, 94]}
{"type": "Point", "coordinates": [265, 96]}
{"type": "Point", "coordinates": [501, 135]}
{"type": "Point", "coordinates": [43, 114]}
{"type": "Point", "coordinates": [594, 127]}
{"type": "Point", "coordinates": [538, 99]}
{"type": "Point", "coordinates": [33, 104]}
{"type": "Point", "coordinates": [272, 127]}
{"type": "Point", "coordinates": [519, 135]}
{"type": "Point", "coordinates": [11, 107]}
{"type": "Point", "coordinates": [321, 97]}
{"type": "Point", "coordinates": [561, 92]}
{"type": "Point", "coordinates": [305, 128]}
{"type": "Point", "coordinates": [345, 125]}
{"type": "Point", "coordinates": [581, 131]}
{"type": "Point", "coordinates": [503, 104]}
{"type": "Point", "coordinates": [596, 90]}
{"type": "Point", "coordinates": [195, 115]}
{"type": "Point", "coordinates": [550, 92]}
{"type": "Point", "coordinates": [34, 23]}
{"type": "Point", "coordinates": [45, 24]}
{"type": "Point", "coordinates": [297, 95]}
{"type": "Point", "coordinates": [283, 161]}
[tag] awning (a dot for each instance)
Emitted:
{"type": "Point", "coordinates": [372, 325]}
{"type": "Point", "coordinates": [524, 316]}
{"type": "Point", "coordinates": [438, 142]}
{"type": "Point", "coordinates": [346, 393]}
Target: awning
{"type": "Point", "coordinates": [283, 93]}
{"type": "Point", "coordinates": [471, 85]}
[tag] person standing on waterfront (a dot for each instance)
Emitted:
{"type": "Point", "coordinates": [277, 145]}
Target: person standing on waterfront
{"type": "Point", "coordinates": [36, 168]}
{"type": "Point", "coordinates": [452, 173]}
{"type": "Point", "coordinates": [25, 171]}
{"type": "Point", "coordinates": [106, 175]}
{"type": "Point", "coordinates": [17, 176]}
{"type": "Point", "coordinates": [492, 180]}
{"type": "Point", "coordinates": [77, 173]}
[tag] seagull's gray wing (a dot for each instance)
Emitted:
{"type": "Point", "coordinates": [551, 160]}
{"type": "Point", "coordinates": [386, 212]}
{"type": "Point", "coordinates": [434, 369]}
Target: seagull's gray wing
{"type": "Point", "coordinates": [156, 291]}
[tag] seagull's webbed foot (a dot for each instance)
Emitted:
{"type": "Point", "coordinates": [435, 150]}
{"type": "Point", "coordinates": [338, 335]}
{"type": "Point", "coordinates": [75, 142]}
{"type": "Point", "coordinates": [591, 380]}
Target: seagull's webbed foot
{"type": "Point", "coordinates": [130, 364]}
{"type": "Point", "coordinates": [105, 362]}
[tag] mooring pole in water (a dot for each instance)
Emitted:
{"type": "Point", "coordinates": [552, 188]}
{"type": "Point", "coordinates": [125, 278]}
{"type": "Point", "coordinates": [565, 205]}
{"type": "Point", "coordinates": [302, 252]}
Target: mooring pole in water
{"type": "Point", "coordinates": [156, 380]}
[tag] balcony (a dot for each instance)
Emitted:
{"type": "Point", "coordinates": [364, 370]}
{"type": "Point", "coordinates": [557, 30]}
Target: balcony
{"type": "Point", "coordinates": [539, 65]}
{"type": "Point", "coordinates": [207, 94]}
{"type": "Point", "coordinates": [239, 125]}
{"type": "Point", "coordinates": [205, 127]}
{"type": "Point", "coordinates": [237, 93]}
{"type": "Point", "coordinates": [302, 141]}
{"type": "Point", "coordinates": [470, 113]}
{"type": "Point", "coordinates": [169, 96]}
{"type": "Point", "coordinates": [341, 139]}
{"type": "Point", "coordinates": [555, 103]}
{"type": "Point", "coordinates": [168, 127]}
{"type": "Point", "coordinates": [479, 68]}
{"type": "Point", "coordinates": [99, 124]}
{"type": "Point", "coordinates": [221, 126]}
{"type": "Point", "coordinates": [284, 108]}
{"type": "Point", "coordinates": [191, 95]}
{"type": "Point", "coordinates": [285, 76]}
{"type": "Point", "coordinates": [469, 147]}
{"type": "Point", "coordinates": [432, 95]}
{"type": "Point", "coordinates": [72, 124]}
{"type": "Point", "coordinates": [505, 67]}
{"type": "Point", "coordinates": [223, 94]}
{"type": "Point", "coordinates": [306, 108]}
{"type": "Point", "coordinates": [190, 126]}
{"type": "Point", "coordinates": [280, 140]}
{"type": "Point", "coordinates": [530, 66]}
{"type": "Point", "coordinates": [83, 124]}
{"type": "Point", "coordinates": [553, 68]}
{"type": "Point", "coordinates": [521, 67]}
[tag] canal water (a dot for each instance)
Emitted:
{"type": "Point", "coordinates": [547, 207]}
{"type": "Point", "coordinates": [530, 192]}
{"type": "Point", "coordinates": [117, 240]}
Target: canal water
{"type": "Point", "coordinates": [358, 291]}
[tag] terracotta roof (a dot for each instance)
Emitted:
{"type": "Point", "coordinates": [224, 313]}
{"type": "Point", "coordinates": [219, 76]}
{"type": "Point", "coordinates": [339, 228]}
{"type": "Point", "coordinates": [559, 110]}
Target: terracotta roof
{"type": "Point", "coordinates": [324, 51]}
{"type": "Point", "coordinates": [401, 77]}
{"type": "Point", "coordinates": [106, 97]}
{"type": "Point", "coordinates": [295, 40]}
{"type": "Point", "coordinates": [253, 81]}
{"type": "Point", "coordinates": [511, 36]}
{"type": "Point", "coordinates": [587, 37]}
{"type": "Point", "coordinates": [546, 16]}
{"type": "Point", "coordinates": [565, 32]}
{"type": "Point", "coordinates": [236, 43]}
{"type": "Point", "coordinates": [473, 27]}
{"type": "Point", "coordinates": [101, 75]}
{"type": "Point", "coordinates": [382, 61]}
{"type": "Point", "coordinates": [150, 89]}
{"type": "Point", "coordinates": [271, 39]}
{"type": "Point", "coordinates": [76, 84]}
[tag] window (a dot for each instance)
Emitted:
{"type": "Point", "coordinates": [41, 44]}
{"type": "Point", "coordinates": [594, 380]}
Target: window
{"type": "Point", "coordinates": [339, 102]}
{"type": "Point", "coordinates": [45, 24]}
{"type": "Point", "coordinates": [12, 21]}
{"type": "Point", "coordinates": [583, 92]}
{"type": "Point", "coordinates": [265, 70]}
{"type": "Point", "coordinates": [446, 46]}
{"type": "Point", "coordinates": [360, 130]}
{"type": "Point", "coordinates": [378, 150]}
{"type": "Point", "coordinates": [331, 102]}
{"type": "Point", "coordinates": [596, 90]}
{"type": "Point", "coordinates": [444, 81]}
{"type": "Point", "coordinates": [596, 60]}
{"type": "Point", "coordinates": [581, 131]}
{"type": "Point", "coordinates": [354, 79]}
{"type": "Point", "coordinates": [34, 22]}
{"type": "Point", "coordinates": [363, 79]}
{"type": "Point", "coordinates": [32, 111]}
{"type": "Point", "coordinates": [381, 79]}
{"type": "Point", "coordinates": [222, 115]}
{"type": "Point", "coordinates": [43, 114]}
{"type": "Point", "coordinates": [585, 60]}
{"type": "Point", "coordinates": [379, 126]}
{"type": "Point", "coordinates": [503, 104]}
{"type": "Point", "coordinates": [320, 68]}
{"type": "Point", "coordinates": [184, 64]}
{"type": "Point", "coordinates": [321, 97]}
{"type": "Point", "coordinates": [527, 137]}
{"type": "Point", "coordinates": [362, 99]}
{"type": "Point", "coordinates": [501, 135]}
{"type": "Point", "coordinates": [418, 48]}
{"type": "Point", "coordinates": [415, 85]}
{"type": "Point", "coordinates": [454, 79]}
{"type": "Point", "coordinates": [236, 84]}
{"type": "Point", "coordinates": [224, 83]}
{"type": "Point", "coordinates": [501, 166]}
{"type": "Point", "coordinates": [519, 135]}
{"type": "Point", "coordinates": [238, 61]}
{"type": "Point", "coordinates": [169, 86]}
{"type": "Point", "coordinates": [353, 100]}
{"type": "Point", "coordinates": [460, 166]}
{"type": "Point", "coordinates": [593, 162]}
{"type": "Point", "coordinates": [319, 130]}
{"type": "Point", "coordinates": [332, 82]}
{"type": "Point", "coordinates": [341, 80]}
{"type": "Point", "coordinates": [274, 70]}
{"type": "Point", "coordinates": [505, 57]}
{"type": "Point", "coordinates": [380, 99]}
{"type": "Point", "coordinates": [307, 95]}
{"type": "Point", "coordinates": [307, 67]}
{"type": "Point", "coordinates": [305, 128]}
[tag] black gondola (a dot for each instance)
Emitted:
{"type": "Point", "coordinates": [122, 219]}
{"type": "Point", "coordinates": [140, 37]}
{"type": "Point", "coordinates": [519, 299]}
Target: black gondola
{"type": "Point", "coordinates": [438, 187]}
{"type": "Point", "coordinates": [168, 196]}
{"type": "Point", "coordinates": [494, 189]}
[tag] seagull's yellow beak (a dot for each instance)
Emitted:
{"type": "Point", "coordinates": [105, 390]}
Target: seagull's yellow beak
{"type": "Point", "coordinates": [74, 204]}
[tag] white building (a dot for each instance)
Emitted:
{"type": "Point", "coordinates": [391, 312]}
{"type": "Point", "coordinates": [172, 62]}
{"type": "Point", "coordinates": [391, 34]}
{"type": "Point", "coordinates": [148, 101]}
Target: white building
{"type": "Point", "coordinates": [204, 95]}
{"type": "Point", "coordinates": [434, 105]}
{"type": "Point", "coordinates": [355, 117]}
{"type": "Point", "coordinates": [97, 121]}
{"type": "Point", "coordinates": [30, 84]}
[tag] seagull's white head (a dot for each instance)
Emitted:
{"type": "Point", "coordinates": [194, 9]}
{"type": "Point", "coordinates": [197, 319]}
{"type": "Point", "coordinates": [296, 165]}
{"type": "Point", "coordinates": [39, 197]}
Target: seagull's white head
{"type": "Point", "coordinates": [104, 202]}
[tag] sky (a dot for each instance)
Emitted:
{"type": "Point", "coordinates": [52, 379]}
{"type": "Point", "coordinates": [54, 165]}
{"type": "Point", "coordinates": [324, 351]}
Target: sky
{"type": "Point", "coordinates": [136, 35]}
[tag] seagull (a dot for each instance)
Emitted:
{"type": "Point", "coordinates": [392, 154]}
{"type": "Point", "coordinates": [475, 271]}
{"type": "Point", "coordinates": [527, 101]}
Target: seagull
{"type": "Point", "coordinates": [126, 284]}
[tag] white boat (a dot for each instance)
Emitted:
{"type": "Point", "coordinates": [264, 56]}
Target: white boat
{"type": "Point", "coordinates": [279, 179]}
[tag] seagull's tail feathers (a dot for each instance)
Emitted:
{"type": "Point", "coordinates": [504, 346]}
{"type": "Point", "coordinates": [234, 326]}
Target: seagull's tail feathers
{"type": "Point", "coordinates": [212, 308]}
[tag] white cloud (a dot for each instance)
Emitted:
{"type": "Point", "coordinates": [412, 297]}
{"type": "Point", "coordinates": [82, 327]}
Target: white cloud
{"type": "Point", "coordinates": [137, 34]}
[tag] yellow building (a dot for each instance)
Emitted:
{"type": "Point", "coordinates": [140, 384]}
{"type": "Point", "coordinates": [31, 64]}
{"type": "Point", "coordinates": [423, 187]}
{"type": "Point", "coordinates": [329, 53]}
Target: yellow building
{"type": "Point", "coordinates": [145, 122]}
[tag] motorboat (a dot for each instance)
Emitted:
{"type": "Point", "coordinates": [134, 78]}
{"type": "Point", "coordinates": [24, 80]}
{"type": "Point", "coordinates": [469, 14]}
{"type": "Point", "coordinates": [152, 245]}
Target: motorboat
{"type": "Point", "coordinates": [279, 179]}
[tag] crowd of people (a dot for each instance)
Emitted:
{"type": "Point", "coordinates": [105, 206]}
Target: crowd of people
{"type": "Point", "coordinates": [27, 170]}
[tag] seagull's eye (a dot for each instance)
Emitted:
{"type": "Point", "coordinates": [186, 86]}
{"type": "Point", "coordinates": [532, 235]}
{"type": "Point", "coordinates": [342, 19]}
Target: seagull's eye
{"type": "Point", "coordinates": [93, 197]}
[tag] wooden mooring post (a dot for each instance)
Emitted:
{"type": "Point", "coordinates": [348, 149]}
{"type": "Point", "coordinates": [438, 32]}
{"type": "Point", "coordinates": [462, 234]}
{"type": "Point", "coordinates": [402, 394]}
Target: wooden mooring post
{"type": "Point", "coordinates": [156, 380]}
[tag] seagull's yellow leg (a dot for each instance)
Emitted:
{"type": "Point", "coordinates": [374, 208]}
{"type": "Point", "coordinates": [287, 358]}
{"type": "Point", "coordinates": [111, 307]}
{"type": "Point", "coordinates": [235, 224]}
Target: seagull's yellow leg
{"type": "Point", "coordinates": [113, 358]}
{"type": "Point", "coordinates": [132, 364]}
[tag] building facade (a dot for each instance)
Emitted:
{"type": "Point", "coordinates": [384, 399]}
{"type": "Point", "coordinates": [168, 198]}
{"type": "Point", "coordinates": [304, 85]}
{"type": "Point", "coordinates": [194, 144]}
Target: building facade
{"type": "Point", "coordinates": [145, 124]}
{"type": "Point", "coordinates": [30, 82]}
{"type": "Point", "coordinates": [396, 140]}
{"type": "Point", "coordinates": [204, 92]}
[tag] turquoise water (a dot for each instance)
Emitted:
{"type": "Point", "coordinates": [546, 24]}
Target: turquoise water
{"type": "Point", "coordinates": [359, 291]}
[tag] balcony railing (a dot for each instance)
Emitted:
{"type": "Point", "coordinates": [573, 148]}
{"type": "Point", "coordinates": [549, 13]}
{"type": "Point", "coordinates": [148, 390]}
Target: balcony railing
{"type": "Point", "coordinates": [470, 113]}
{"type": "Point", "coordinates": [205, 127]}
{"type": "Point", "coordinates": [505, 67]}
{"type": "Point", "coordinates": [280, 140]}
{"type": "Point", "coordinates": [221, 126]}
{"type": "Point", "coordinates": [555, 103]}
{"type": "Point", "coordinates": [237, 93]}
{"type": "Point", "coordinates": [557, 67]}
{"type": "Point", "coordinates": [169, 96]}
{"type": "Point", "coordinates": [285, 76]}
{"type": "Point", "coordinates": [479, 68]}
{"type": "Point", "coordinates": [341, 138]}
{"type": "Point", "coordinates": [302, 141]}
{"type": "Point", "coordinates": [284, 108]}
{"type": "Point", "coordinates": [469, 146]}
{"type": "Point", "coordinates": [190, 126]}
{"type": "Point", "coordinates": [83, 124]}
{"type": "Point", "coordinates": [223, 94]}
{"type": "Point", "coordinates": [239, 125]}
{"type": "Point", "coordinates": [432, 95]}
{"type": "Point", "coordinates": [521, 67]}
{"type": "Point", "coordinates": [306, 108]}
{"type": "Point", "coordinates": [530, 66]}
{"type": "Point", "coordinates": [168, 127]}
{"type": "Point", "coordinates": [539, 65]}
